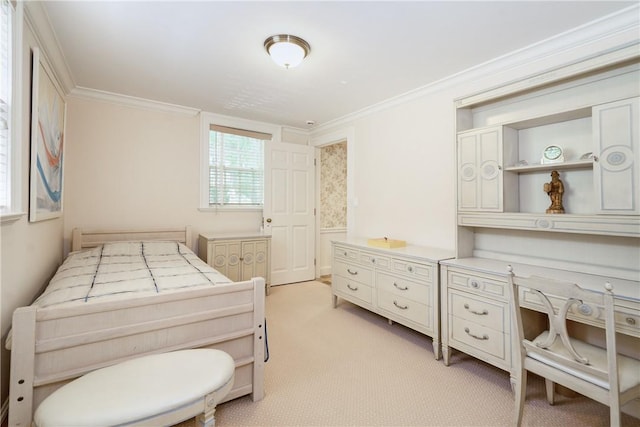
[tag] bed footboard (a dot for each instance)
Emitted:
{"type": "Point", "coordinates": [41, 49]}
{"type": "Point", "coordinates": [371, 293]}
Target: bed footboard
{"type": "Point", "coordinates": [53, 346]}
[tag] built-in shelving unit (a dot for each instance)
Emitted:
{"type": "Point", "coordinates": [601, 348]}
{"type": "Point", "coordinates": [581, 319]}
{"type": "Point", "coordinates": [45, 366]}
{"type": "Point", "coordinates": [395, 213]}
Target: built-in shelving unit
{"type": "Point", "coordinates": [591, 111]}
{"type": "Point", "coordinates": [592, 117]}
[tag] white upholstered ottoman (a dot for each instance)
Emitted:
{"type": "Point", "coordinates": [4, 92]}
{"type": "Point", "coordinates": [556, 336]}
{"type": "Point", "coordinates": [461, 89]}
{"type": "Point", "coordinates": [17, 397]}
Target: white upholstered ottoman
{"type": "Point", "coordinates": [160, 389]}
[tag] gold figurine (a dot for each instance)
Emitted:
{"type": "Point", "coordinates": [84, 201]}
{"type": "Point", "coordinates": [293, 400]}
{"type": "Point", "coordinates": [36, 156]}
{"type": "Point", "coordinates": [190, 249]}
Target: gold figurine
{"type": "Point", "coordinates": [555, 189]}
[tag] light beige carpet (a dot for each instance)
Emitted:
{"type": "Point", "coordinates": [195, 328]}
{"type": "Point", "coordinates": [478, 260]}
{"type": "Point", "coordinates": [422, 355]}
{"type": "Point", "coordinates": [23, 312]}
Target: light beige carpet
{"type": "Point", "coordinates": [349, 367]}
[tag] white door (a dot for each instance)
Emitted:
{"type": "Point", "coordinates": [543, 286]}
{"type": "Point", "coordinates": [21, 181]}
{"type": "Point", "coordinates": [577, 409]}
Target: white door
{"type": "Point", "coordinates": [289, 211]}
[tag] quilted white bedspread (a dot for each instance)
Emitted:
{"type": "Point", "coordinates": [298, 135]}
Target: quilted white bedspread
{"type": "Point", "coordinates": [125, 270]}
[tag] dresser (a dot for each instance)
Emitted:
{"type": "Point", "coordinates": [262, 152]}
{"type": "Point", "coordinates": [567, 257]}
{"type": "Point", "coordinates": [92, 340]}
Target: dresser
{"type": "Point", "coordinates": [400, 284]}
{"type": "Point", "coordinates": [239, 256]}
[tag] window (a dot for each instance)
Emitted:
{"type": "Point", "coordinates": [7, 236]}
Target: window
{"type": "Point", "coordinates": [236, 167]}
{"type": "Point", "coordinates": [10, 125]}
{"type": "Point", "coordinates": [5, 105]}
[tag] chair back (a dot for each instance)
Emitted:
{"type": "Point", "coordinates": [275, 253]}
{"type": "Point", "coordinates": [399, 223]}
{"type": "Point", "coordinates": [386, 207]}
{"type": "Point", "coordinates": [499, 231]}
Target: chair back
{"type": "Point", "coordinates": [559, 298]}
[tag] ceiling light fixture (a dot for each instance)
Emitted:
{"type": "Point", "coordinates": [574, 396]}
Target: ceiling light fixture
{"type": "Point", "coordinates": [286, 50]}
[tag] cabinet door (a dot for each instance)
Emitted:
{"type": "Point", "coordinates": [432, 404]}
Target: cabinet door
{"type": "Point", "coordinates": [226, 259]}
{"type": "Point", "coordinates": [248, 258]}
{"type": "Point", "coordinates": [261, 262]}
{"type": "Point", "coordinates": [479, 171]}
{"type": "Point", "coordinates": [616, 144]}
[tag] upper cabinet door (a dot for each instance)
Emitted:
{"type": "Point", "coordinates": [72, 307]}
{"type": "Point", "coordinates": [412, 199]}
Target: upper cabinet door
{"type": "Point", "coordinates": [479, 170]}
{"type": "Point", "coordinates": [616, 144]}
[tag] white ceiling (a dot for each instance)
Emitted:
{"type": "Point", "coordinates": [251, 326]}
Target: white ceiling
{"type": "Point", "coordinates": [210, 55]}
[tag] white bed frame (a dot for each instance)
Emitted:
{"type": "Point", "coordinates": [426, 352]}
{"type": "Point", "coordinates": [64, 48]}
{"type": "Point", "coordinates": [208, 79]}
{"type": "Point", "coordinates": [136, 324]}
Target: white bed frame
{"type": "Point", "coordinates": [52, 346]}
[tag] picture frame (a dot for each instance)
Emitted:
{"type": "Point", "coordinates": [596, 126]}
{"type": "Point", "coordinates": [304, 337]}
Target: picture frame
{"type": "Point", "coordinates": [48, 120]}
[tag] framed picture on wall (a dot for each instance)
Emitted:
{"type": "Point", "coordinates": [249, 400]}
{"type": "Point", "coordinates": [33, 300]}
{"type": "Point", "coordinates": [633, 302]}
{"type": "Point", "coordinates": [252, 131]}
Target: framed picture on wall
{"type": "Point", "coordinates": [48, 110]}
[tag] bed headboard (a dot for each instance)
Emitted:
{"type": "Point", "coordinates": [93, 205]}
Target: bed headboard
{"type": "Point", "coordinates": [81, 239]}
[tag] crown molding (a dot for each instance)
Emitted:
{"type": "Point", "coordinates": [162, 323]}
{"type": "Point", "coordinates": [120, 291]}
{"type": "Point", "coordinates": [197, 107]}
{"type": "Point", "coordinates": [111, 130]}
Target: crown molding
{"type": "Point", "coordinates": [600, 37]}
{"type": "Point", "coordinates": [131, 101]}
{"type": "Point", "coordinates": [38, 22]}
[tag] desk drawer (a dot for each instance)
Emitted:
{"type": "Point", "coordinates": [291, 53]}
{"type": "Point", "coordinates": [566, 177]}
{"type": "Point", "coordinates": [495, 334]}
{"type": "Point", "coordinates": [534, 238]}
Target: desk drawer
{"type": "Point", "coordinates": [404, 288]}
{"type": "Point", "coordinates": [627, 319]}
{"type": "Point", "coordinates": [353, 289]}
{"type": "Point", "coordinates": [481, 338]}
{"type": "Point", "coordinates": [479, 311]}
{"type": "Point", "coordinates": [478, 284]}
{"type": "Point", "coordinates": [354, 272]}
{"type": "Point", "coordinates": [409, 309]}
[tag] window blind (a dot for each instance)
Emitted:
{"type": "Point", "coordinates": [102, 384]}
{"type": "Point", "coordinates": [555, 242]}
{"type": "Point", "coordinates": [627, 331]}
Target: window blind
{"type": "Point", "coordinates": [236, 166]}
{"type": "Point", "coordinates": [5, 104]}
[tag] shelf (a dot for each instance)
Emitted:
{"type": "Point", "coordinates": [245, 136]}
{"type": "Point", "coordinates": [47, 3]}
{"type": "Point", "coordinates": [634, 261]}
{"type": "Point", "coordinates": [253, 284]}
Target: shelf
{"type": "Point", "coordinates": [576, 164]}
{"type": "Point", "coordinates": [611, 225]}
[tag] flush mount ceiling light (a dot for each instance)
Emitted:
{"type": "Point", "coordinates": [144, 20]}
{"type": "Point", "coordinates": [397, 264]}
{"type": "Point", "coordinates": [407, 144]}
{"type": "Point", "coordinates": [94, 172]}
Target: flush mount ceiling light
{"type": "Point", "coordinates": [286, 50]}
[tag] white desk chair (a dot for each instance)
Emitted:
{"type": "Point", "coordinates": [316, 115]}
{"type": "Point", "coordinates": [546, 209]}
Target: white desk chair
{"type": "Point", "coordinates": [598, 373]}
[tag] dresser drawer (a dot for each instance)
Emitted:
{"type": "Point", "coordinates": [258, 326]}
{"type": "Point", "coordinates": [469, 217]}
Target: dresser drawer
{"type": "Point", "coordinates": [478, 284]}
{"type": "Point", "coordinates": [353, 289]}
{"type": "Point", "coordinates": [373, 259]}
{"type": "Point", "coordinates": [409, 309]}
{"type": "Point", "coordinates": [404, 288]}
{"type": "Point", "coordinates": [481, 338]}
{"type": "Point", "coordinates": [354, 272]}
{"type": "Point", "coordinates": [479, 311]}
{"type": "Point", "coordinates": [419, 271]}
{"type": "Point", "coordinates": [346, 253]}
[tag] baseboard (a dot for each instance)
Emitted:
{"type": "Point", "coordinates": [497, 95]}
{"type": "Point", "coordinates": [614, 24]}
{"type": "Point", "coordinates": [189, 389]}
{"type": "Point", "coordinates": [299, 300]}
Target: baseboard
{"type": "Point", "coordinates": [4, 411]}
{"type": "Point", "coordinates": [325, 271]}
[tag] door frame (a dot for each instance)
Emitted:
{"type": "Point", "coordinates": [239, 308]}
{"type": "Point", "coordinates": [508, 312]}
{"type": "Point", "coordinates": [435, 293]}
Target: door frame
{"type": "Point", "coordinates": [346, 134]}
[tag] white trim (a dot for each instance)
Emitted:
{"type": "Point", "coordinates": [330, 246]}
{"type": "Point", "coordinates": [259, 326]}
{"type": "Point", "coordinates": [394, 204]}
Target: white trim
{"type": "Point", "coordinates": [348, 134]}
{"type": "Point", "coordinates": [131, 101]}
{"type": "Point", "coordinates": [333, 230]}
{"type": "Point", "coordinates": [11, 217]}
{"type": "Point", "coordinates": [298, 131]}
{"type": "Point", "coordinates": [619, 29]}
{"type": "Point", "coordinates": [40, 25]}
{"type": "Point", "coordinates": [15, 128]}
{"type": "Point", "coordinates": [206, 120]}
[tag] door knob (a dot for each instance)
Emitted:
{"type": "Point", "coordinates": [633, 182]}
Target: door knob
{"type": "Point", "coordinates": [269, 220]}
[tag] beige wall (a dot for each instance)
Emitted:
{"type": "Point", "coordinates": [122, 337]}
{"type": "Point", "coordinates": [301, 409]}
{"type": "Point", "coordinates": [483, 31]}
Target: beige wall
{"type": "Point", "coordinates": [130, 167]}
{"type": "Point", "coordinates": [29, 252]}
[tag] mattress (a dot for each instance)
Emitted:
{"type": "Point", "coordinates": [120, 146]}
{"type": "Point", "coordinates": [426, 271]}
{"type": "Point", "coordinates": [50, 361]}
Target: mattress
{"type": "Point", "coordinates": [122, 270]}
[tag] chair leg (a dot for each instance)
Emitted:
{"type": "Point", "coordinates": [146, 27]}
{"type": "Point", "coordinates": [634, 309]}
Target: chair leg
{"type": "Point", "coordinates": [520, 394]}
{"type": "Point", "coordinates": [614, 410]}
{"type": "Point", "coordinates": [550, 388]}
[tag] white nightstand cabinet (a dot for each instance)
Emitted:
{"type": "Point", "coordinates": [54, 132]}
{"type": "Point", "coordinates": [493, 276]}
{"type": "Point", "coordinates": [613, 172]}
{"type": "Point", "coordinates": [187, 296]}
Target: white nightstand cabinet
{"type": "Point", "coordinates": [239, 256]}
{"type": "Point", "coordinates": [400, 284]}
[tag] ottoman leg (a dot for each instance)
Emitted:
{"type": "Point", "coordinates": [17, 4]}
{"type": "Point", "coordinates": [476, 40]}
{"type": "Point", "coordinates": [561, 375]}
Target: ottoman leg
{"type": "Point", "coordinates": [206, 419]}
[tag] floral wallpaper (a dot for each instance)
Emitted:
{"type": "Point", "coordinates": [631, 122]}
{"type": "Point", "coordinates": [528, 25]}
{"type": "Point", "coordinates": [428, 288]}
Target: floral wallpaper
{"type": "Point", "coordinates": [333, 186]}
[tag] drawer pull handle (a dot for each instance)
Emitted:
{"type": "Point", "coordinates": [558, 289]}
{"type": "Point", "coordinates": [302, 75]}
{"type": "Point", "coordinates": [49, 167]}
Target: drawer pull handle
{"type": "Point", "coordinates": [353, 273]}
{"type": "Point", "coordinates": [475, 284]}
{"type": "Point", "coordinates": [401, 307]}
{"type": "Point", "coordinates": [406, 288]}
{"type": "Point", "coordinates": [353, 289]}
{"type": "Point", "coordinates": [630, 321]}
{"type": "Point", "coordinates": [482, 338]}
{"type": "Point", "coordinates": [479, 313]}
{"type": "Point", "coordinates": [410, 269]}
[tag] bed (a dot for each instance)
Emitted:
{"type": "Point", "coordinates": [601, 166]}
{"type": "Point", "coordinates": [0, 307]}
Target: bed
{"type": "Point", "coordinates": [72, 329]}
